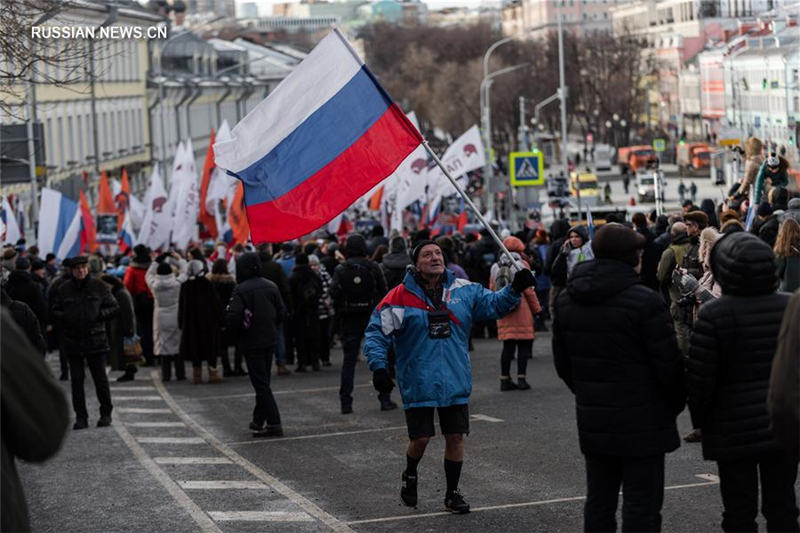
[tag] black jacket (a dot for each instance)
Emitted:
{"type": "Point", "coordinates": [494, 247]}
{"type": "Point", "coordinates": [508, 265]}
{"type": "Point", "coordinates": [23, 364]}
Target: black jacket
{"type": "Point", "coordinates": [615, 348]}
{"type": "Point", "coordinates": [124, 324]}
{"type": "Point", "coordinates": [352, 322]}
{"type": "Point", "coordinates": [394, 268]}
{"type": "Point", "coordinates": [732, 345]}
{"type": "Point", "coordinates": [200, 319]}
{"type": "Point", "coordinates": [35, 418]}
{"type": "Point", "coordinates": [256, 301]}
{"type": "Point", "coordinates": [305, 287]}
{"type": "Point", "coordinates": [650, 257]}
{"type": "Point", "coordinates": [22, 287]}
{"type": "Point", "coordinates": [81, 308]}
{"type": "Point", "coordinates": [26, 320]}
{"type": "Point", "coordinates": [767, 230]}
{"type": "Point", "coordinates": [274, 272]}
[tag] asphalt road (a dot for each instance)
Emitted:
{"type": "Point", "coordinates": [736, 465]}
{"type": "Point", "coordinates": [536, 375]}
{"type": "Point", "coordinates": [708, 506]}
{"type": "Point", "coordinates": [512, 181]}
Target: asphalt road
{"type": "Point", "coordinates": [523, 469]}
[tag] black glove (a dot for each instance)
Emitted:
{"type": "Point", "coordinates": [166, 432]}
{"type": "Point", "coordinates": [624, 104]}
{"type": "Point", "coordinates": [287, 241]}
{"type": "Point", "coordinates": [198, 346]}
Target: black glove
{"type": "Point", "coordinates": [381, 381]}
{"type": "Point", "coordinates": [522, 280]}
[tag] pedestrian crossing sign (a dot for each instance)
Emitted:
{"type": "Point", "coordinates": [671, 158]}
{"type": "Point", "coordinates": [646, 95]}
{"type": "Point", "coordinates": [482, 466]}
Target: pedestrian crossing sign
{"type": "Point", "coordinates": [527, 168]}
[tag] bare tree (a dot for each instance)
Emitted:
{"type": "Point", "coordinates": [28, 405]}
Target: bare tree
{"type": "Point", "coordinates": [58, 62]}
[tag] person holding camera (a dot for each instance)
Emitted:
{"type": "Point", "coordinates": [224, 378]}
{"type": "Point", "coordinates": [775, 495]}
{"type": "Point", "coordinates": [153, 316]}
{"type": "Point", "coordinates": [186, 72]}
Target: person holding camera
{"type": "Point", "coordinates": [427, 320]}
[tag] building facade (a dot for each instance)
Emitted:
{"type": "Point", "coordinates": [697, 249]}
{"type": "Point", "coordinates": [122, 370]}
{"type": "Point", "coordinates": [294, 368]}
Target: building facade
{"type": "Point", "coordinates": [526, 18]}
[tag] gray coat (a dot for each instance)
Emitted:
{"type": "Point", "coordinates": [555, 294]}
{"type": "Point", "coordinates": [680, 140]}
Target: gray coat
{"type": "Point", "coordinates": [166, 291]}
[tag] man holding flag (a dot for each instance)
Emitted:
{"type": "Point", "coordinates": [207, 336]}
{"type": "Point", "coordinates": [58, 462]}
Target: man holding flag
{"type": "Point", "coordinates": [330, 131]}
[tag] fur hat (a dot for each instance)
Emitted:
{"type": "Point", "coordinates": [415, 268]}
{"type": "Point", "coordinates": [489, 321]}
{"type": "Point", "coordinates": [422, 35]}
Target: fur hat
{"type": "Point", "coordinates": [728, 214]}
{"type": "Point", "coordinates": [698, 217]}
{"type": "Point", "coordinates": [615, 241]}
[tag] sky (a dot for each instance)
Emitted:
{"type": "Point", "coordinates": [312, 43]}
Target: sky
{"type": "Point", "coordinates": [265, 6]}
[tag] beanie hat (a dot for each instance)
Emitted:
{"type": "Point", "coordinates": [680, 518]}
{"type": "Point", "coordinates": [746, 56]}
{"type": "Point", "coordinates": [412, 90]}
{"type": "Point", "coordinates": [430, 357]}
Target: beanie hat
{"type": "Point", "coordinates": [420, 245]}
{"type": "Point", "coordinates": [301, 259]}
{"type": "Point", "coordinates": [615, 241]}
{"type": "Point", "coordinates": [196, 268]}
{"type": "Point", "coordinates": [22, 263]}
{"type": "Point", "coordinates": [163, 269]}
{"type": "Point", "coordinates": [513, 244]}
{"type": "Point", "coordinates": [355, 246]}
{"type": "Point", "coordinates": [764, 209]}
{"type": "Point", "coordinates": [312, 260]}
{"type": "Point", "coordinates": [397, 245]}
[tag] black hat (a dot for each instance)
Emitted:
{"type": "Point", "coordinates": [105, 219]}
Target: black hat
{"type": "Point", "coordinates": [37, 264]}
{"type": "Point", "coordinates": [22, 263]}
{"type": "Point", "coordinates": [301, 259]}
{"type": "Point", "coordinates": [764, 210]}
{"type": "Point", "coordinates": [615, 241]}
{"type": "Point", "coordinates": [355, 246]}
{"type": "Point", "coordinates": [78, 260]}
{"type": "Point", "coordinates": [163, 269]}
{"type": "Point", "coordinates": [420, 245]}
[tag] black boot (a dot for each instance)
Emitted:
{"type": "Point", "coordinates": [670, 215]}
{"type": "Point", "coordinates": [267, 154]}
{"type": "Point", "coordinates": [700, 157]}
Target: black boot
{"type": "Point", "coordinates": [506, 384]}
{"type": "Point", "coordinates": [166, 368]}
{"type": "Point", "coordinates": [522, 383]}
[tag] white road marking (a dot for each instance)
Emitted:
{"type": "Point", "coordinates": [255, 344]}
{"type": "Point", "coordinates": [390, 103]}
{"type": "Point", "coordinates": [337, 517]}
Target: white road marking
{"type": "Point", "coordinates": [141, 410]}
{"type": "Point", "coordinates": [155, 424]}
{"type": "Point", "coordinates": [304, 503]}
{"type": "Point", "coordinates": [276, 392]}
{"type": "Point", "coordinates": [137, 398]}
{"type": "Point", "coordinates": [192, 460]}
{"type": "Point", "coordinates": [201, 519]}
{"type": "Point", "coordinates": [708, 477]}
{"type": "Point", "coordinates": [259, 516]}
{"type": "Point", "coordinates": [315, 436]}
{"type": "Point", "coordinates": [171, 440]}
{"type": "Point", "coordinates": [507, 506]}
{"type": "Point", "coordinates": [133, 389]}
{"type": "Point", "coordinates": [485, 418]}
{"type": "Point", "coordinates": [222, 484]}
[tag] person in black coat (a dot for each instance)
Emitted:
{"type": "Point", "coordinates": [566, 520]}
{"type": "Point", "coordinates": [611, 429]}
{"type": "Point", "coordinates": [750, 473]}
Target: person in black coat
{"type": "Point", "coordinates": [254, 315]}
{"type": "Point", "coordinates": [615, 348]}
{"type": "Point", "coordinates": [730, 356]}
{"type": "Point", "coordinates": [651, 253]}
{"type": "Point", "coordinates": [305, 288]}
{"type": "Point", "coordinates": [121, 326]}
{"type": "Point", "coordinates": [353, 305]}
{"type": "Point", "coordinates": [200, 319]}
{"type": "Point", "coordinates": [81, 306]}
{"type": "Point", "coordinates": [26, 320]}
{"type": "Point", "coordinates": [395, 262]}
{"type": "Point", "coordinates": [223, 284]}
{"type": "Point", "coordinates": [22, 287]}
{"type": "Point", "coordinates": [271, 270]}
{"type": "Point", "coordinates": [35, 418]}
{"type": "Point", "coordinates": [766, 226]}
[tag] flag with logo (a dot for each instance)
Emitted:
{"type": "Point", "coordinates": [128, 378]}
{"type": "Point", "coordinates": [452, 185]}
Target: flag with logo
{"type": "Point", "coordinates": [325, 136]}
{"type": "Point", "coordinates": [157, 223]}
{"type": "Point", "coordinates": [10, 229]}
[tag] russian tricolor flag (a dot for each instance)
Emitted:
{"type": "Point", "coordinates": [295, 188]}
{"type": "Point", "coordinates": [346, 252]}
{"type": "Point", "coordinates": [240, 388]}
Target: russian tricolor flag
{"type": "Point", "coordinates": [59, 225]}
{"type": "Point", "coordinates": [126, 235]}
{"type": "Point", "coordinates": [323, 138]}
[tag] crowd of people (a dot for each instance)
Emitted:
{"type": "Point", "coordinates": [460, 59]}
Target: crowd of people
{"type": "Point", "coordinates": [646, 315]}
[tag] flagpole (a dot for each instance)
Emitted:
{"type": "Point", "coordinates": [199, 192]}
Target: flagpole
{"type": "Point", "coordinates": [468, 201]}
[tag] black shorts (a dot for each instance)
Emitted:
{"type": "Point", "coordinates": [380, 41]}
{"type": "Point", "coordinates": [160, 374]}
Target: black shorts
{"type": "Point", "coordinates": [452, 419]}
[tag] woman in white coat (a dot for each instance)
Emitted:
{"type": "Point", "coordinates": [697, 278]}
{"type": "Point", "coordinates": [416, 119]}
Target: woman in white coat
{"type": "Point", "coordinates": [166, 289]}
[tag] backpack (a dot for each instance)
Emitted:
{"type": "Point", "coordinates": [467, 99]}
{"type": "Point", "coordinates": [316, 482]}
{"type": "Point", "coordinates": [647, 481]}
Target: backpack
{"type": "Point", "coordinates": [358, 287]}
{"type": "Point", "coordinates": [309, 296]}
{"type": "Point", "coordinates": [504, 274]}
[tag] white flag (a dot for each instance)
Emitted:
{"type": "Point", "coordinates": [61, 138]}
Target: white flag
{"type": "Point", "coordinates": [187, 198]}
{"type": "Point", "coordinates": [221, 185]}
{"type": "Point", "coordinates": [157, 223]}
{"type": "Point", "coordinates": [10, 233]}
{"type": "Point", "coordinates": [464, 155]}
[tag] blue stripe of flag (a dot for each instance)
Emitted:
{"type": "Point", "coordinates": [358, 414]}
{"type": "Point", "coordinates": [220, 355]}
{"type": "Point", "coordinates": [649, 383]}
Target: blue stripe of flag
{"type": "Point", "coordinates": [320, 139]}
{"type": "Point", "coordinates": [66, 213]}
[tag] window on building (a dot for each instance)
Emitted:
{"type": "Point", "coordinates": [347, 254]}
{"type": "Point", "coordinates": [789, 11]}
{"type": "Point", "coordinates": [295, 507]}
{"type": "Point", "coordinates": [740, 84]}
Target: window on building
{"type": "Point", "coordinates": [71, 139]}
{"type": "Point", "coordinates": [49, 148]}
{"type": "Point", "coordinates": [79, 131]}
{"type": "Point", "coordinates": [60, 135]}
